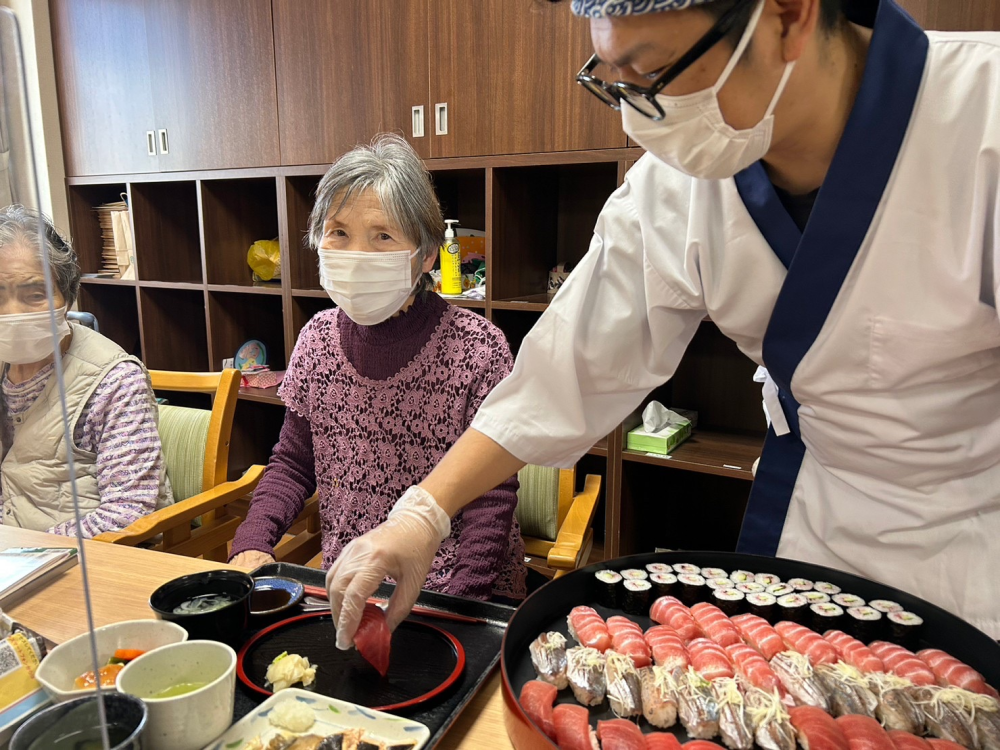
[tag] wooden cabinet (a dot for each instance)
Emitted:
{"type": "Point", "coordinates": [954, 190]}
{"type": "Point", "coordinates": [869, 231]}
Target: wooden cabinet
{"type": "Point", "coordinates": [199, 71]}
{"type": "Point", "coordinates": [346, 70]}
{"type": "Point", "coordinates": [105, 93]}
{"type": "Point", "coordinates": [506, 70]}
{"type": "Point", "coordinates": [955, 15]}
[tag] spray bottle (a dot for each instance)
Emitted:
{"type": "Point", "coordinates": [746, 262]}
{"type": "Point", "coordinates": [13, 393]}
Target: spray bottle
{"type": "Point", "coordinates": [451, 261]}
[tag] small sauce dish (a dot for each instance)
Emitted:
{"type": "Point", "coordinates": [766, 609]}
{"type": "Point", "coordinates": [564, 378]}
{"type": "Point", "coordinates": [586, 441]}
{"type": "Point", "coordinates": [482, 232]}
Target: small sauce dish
{"type": "Point", "coordinates": [273, 595]}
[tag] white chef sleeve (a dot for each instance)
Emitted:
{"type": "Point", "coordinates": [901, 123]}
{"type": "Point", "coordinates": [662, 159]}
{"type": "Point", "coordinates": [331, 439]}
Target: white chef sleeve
{"type": "Point", "coordinates": [616, 330]}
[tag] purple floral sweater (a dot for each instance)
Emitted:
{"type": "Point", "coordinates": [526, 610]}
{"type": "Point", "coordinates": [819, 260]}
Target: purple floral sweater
{"type": "Point", "coordinates": [371, 410]}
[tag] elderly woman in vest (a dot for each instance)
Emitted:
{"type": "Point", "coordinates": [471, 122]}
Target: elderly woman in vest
{"type": "Point", "coordinates": [115, 446]}
{"type": "Point", "coordinates": [378, 389]}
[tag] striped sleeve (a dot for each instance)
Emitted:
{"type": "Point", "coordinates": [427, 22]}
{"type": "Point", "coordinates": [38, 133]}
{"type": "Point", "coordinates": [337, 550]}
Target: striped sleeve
{"type": "Point", "coordinates": [118, 424]}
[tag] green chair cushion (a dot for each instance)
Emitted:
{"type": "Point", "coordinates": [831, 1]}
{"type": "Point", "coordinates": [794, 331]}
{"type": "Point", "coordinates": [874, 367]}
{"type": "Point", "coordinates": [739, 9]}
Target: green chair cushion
{"type": "Point", "coordinates": [538, 502]}
{"type": "Point", "coordinates": [183, 434]}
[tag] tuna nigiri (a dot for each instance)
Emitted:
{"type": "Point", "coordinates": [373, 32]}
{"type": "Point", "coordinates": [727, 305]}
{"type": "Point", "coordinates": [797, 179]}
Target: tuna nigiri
{"type": "Point", "coordinates": [709, 659]}
{"type": "Point", "coordinates": [864, 733]}
{"type": "Point", "coordinates": [373, 638]}
{"type": "Point", "coordinates": [854, 652]}
{"type": "Point", "coordinates": [662, 741]}
{"type": "Point", "coordinates": [817, 730]}
{"type": "Point", "coordinates": [667, 648]}
{"type": "Point", "coordinates": [937, 744]}
{"type": "Point", "coordinates": [627, 638]}
{"type": "Point", "coordinates": [537, 698]}
{"type": "Point", "coordinates": [752, 666]}
{"type": "Point", "coordinates": [805, 641]}
{"type": "Point", "coordinates": [715, 624]}
{"type": "Point", "coordinates": [589, 629]}
{"type": "Point", "coordinates": [950, 671]}
{"type": "Point", "coordinates": [758, 633]}
{"type": "Point", "coordinates": [701, 745]}
{"type": "Point", "coordinates": [620, 734]}
{"type": "Point", "coordinates": [668, 610]}
{"type": "Point", "coordinates": [904, 663]}
{"type": "Point", "coordinates": [906, 741]}
{"type": "Point", "coordinates": [572, 726]}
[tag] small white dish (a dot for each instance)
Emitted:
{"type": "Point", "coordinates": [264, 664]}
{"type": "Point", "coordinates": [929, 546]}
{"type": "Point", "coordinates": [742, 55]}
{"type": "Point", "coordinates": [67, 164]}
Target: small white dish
{"type": "Point", "coordinates": [71, 659]}
{"type": "Point", "coordinates": [332, 716]}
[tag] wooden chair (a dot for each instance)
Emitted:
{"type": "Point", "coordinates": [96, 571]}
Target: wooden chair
{"type": "Point", "coordinates": [555, 522]}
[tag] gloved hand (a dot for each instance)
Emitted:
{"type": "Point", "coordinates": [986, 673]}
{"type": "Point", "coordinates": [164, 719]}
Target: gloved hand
{"type": "Point", "coordinates": [403, 547]}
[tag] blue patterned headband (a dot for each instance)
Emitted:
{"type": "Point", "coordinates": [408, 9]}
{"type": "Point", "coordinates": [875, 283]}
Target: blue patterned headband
{"type": "Point", "coordinates": [604, 8]}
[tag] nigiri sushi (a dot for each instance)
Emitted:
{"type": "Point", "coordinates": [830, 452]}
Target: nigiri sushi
{"type": "Point", "coordinates": [817, 730]}
{"type": "Point", "coordinates": [588, 628]}
{"type": "Point", "coordinates": [537, 699]}
{"type": "Point", "coordinates": [864, 733]}
{"type": "Point", "coordinates": [623, 688]}
{"type": "Point", "coordinates": [696, 708]}
{"type": "Point", "coordinates": [659, 699]}
{"type": "Point", "coordinates": [548, 655]}
{"type": "Point", "coordinates": [846, 689]}
{"type": "Point", "coordinates": [796, 674]}
{"type": "Point", "coordinates": [572, 726]}
{"type": "Point", "coordinates": [620, 734]}
{"type": "Point", "coordinates": [585, 674]}
{"type": "Point", "coordinates": [737, 733]}
{"type": "Point", "coordinates": [769, 717]}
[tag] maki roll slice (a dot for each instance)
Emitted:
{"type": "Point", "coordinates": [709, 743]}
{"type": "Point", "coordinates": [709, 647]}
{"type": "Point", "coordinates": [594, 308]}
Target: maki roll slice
{"type": "Point", "coordinates": [780, 589]}
{"type": "Point", "coordinates": [652, 568]}
{"type": "Point", "coordinates": [686, 569]}
{"type": "Point", "coordinates": [768, 579]}
{"type": "Point", "coordinates": [751, 587]}
{"type": "Point", "coordinates": [904, 628]}
{"type": "Point", "coordinates": [826, 588]}
{"type": "Point", "coordinates": [634, 574]}
{"type": "Point", "coordinates": [792, 607]}
{"type": "Point", "coordinates": [885, 606]}
{"type": "Point", "coordinates": [607, 582]}
{"type": "Point", "coordinates": [848, 600]}
{"type": "Point", "coordinates": [636, 596]}
{"type": "Point", "coordinates": [709, 573]}
{"type": "Point", "coordinates": [800, 584]}
{"type": "Point", "coordinates": [864, 623]}
{"type": "Point", "coordinates": [719, 583]}
{"type": "Point", "coordinates": [741, 576]}
{"type": "Point", "coordinates": [664, 584]}
{"type": "Point", "coordinates": [692, 588]}
{"type": "Point", "coordinates": [730, 601]}
{"type": "Point", "coordinates": [762, 604]}
{"type": "Point", "coordinates": [816, 597]}
{"type": "Point", "coordinates": [826, 616]}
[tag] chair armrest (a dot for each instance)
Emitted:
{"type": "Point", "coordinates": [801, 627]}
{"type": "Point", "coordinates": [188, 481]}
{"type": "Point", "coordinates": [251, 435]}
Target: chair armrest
{"type": "Point", "coordinates": [185, 511]}
{"type": "Point", "coordinates": [569, 543]}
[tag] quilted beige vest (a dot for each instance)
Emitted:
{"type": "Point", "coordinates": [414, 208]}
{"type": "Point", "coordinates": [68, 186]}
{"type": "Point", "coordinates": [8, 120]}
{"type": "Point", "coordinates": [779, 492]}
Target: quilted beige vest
{"type": "Point", "coordinates": [35, 474]}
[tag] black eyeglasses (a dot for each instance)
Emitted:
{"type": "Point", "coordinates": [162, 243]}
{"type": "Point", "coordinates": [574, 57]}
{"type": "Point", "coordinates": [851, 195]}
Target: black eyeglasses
{"type": "Point", "coordinates": [644, 99]}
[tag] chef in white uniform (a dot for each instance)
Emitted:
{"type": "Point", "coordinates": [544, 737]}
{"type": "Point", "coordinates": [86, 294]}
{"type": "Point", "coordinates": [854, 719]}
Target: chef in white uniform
{"type": "Point", "coordinates": [872, 302]}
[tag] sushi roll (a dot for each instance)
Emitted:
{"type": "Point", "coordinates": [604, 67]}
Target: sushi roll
{"type": "Point", "coordinates": [826, 616]}
{"type": "Point", "coordinates": [686, 569]}
{"type": "Point", "coordinates": [741, 576]}
{"type": "Point", "coordinates": [904, 628]}
{"type": "Point", "coordinates": [708, 573]}
{"type": "Point", "coordinates": [635, 597]}
{"type": "Point", "coordinates": [864, 623]}
{"type": "Point", "coordinates": [885, 606]}
{"type": "Point", "coordinates": [762, 604]}
{"type": "Point", "coordinates": [607, 587]}
{"type": "Point", "coordinates": [652, 568]}
{"type": "Point", "coordinates": [751, 587]}
{"type": "Point", "coordinates": [664, 584]}
{"type": "Point", "coordinates": [848, 600]}
{"type": "Point", "coordinates": [826, 588]}
{"type": "Point", "coordinates": [634, 574]}
{"type": "Point", "coordinates": [767, 579]}
{"type": "Point", "coordinates": [800, 584]}
{"type": "Point", "coordinates": [719, 583]}
{"type": "Point", "coordinates": [780, 589]}
{"type": "Point", "coordinates": [692, 588]}
{"type": "Point", "coordinates": [816, 597]}
{"type": "Point", "coordinates": [792, 607]}
{"type": "Point", "coordinates": [729, 601]}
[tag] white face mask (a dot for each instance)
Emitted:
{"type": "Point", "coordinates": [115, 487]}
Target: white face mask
{"type": "Point", "coordinates": [369, 287]}
{"type": "Point", "coordinates": [694, 137]}
{"type": "Point", "coordinates": [26, 338]}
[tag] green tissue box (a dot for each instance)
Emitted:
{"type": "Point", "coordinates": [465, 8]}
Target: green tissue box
{"type": "Point", "coordinates": [661, 443]}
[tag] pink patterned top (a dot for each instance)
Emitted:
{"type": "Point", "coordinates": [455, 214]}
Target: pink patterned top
{"type": "Point", "coordinates": [372, 437]}
{"type": "Point", "coordinates": [118, 424]}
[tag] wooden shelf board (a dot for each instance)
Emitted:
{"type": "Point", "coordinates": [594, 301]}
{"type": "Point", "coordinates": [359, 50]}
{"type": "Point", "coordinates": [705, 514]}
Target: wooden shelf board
{"type": "Point", "coordinates": [528, 303]}
{"type": "Point", "coordinates": [600, 448]}
{"type": "Point", "coordinates": [108, 282]}
{"type": "Point", "coordinates": [262, 395]}
{"type": "Point", "coordinates": [709, 452]}
{"type": "Point", "coordinates": [188, 285]}
{"type": "Point", "coordinates": [474, 304]}
{"type": "Point", "coordinates": [241, 289]}
{"type": "Point", "coordinates": [318, 293]}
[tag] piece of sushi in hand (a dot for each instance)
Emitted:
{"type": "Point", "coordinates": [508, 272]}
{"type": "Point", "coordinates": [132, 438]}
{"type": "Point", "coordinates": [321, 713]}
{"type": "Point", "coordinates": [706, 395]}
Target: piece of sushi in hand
{"type": "Point", "coordinates": [607, 582]}
{"type": "Point", "coordinates": [548, 655]}
{"type": "Point", "coordinates": [864, 623]}
{"type": "Point", "coordinates": [730, 601]}
{"type": "Point", "coordinates": [904, 628]}
{"type": "Point", "coordinates": [825, 616]}
{"type": "Point", "coordinates": [800, 584]}
{"type": "Point", "coordinates": [636, 596]}
{"type": "Point", "coordinates": [585, 673]}
{"type": "Point", "coordinates": [659, 704]}
{"type": "Point", "coordinates": [792, 607]}
{"type": "Point", "coordinates": [663, 584]}
{"type": "Point", "coordinates": [763, 605]}
{"type": "Point", "coordinates": [692, 588]}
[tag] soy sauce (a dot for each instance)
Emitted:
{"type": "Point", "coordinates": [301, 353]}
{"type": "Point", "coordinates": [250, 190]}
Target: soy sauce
{"type": "Point", "coordinates": [264, 600]}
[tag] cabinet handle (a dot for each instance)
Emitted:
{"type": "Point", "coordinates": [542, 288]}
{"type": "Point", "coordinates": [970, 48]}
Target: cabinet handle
{"type": "Point", "coordinates": [163, 141]}
{"type": "Point", "coordinates": [418, 121]}
{"type": "Point", "coordinates": [441, 118]}
{"type": "Point", "coordinates": [150, 143]}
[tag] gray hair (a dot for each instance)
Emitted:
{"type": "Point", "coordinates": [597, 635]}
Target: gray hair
{"type": "Point", "coordinates": [391, 168]}
{"type": "Point", "coordinates": [21, 226]}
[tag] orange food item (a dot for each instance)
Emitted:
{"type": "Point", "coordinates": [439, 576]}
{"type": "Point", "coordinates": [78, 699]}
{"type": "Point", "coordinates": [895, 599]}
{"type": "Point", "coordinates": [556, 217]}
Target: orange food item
{"type": "Point", "coordinates": [128, 654]}
{"type": "Point", "coordinates": [108, 675]}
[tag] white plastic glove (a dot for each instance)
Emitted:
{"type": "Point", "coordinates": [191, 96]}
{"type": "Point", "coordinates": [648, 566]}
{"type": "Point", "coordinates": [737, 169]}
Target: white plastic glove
{"type": "Point", "coordinates": [403, 547]}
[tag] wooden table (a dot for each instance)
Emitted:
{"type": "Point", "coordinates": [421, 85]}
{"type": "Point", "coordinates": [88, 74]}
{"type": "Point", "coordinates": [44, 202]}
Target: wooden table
{"type": "Point", "coordinates": [121, 580]}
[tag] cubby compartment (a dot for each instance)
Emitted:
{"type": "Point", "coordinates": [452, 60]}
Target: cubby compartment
{"type": "Point", "coordinates": [165, 224]}
{"type": "Point", "coordinates": [236, 318]}
{"type": "Point", "coordinates": [235, 214]}
{"type": "Point", "coordinates": [542, 216]}
{"type": "Point", "coordinates": [174, 335]}
{"type": "Point", "coordinates": [85, 229]}
{"type": "Point", "coordinates": [256, 428]}
{"type": "Point", "coordinates": [515, 325]}
{"type": "Point", "coordinates": [303, 268]}
{"type": "Point", "coordinates": [117, 313]}
{"type": "Point", "coordinates": [462, 195]}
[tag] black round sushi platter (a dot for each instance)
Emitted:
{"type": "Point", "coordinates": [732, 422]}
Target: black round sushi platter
{"type": "Point", "coordinates": [547, 608]}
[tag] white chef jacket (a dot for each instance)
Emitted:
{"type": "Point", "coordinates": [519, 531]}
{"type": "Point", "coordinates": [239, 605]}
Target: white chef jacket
{"type": "Point", "coordinates": [898, 392]}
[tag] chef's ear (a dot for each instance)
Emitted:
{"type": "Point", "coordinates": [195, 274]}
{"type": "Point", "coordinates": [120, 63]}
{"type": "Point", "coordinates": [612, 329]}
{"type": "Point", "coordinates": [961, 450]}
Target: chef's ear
{"type": "Point", "coordinates": [799, 21]}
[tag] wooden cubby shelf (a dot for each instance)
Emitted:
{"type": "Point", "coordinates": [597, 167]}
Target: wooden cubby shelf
{"type": "Point", "coordinates": [708, 452]}
{"type": "Point", "coordinates": [261, 395]}
{"type": "Point", "coordinates": [528, 303]}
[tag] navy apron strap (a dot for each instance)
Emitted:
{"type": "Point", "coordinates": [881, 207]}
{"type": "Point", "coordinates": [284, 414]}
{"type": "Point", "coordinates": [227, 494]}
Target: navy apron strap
{"type": "Point", "coordinates": [767, 508]}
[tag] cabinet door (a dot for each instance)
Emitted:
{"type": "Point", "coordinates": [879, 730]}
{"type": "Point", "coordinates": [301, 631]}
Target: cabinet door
{"type": "Point", "coordinates": [955, 15]}
{"type": "Point", "coordinates": [346, 70]}
{"type": "Point", "coordinates": [506, 69]}
{"type": "Point", "coordinates": [212, 69]}
{"type": "Point", "coordinates": [102, 76]}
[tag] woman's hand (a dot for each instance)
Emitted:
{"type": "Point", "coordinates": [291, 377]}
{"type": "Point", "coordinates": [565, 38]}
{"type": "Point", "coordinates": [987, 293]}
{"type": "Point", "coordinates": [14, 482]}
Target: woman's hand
{"type": "Point", "coordinates": [251, 559]}
{"type": "Point", "coordinates": [403, 547]}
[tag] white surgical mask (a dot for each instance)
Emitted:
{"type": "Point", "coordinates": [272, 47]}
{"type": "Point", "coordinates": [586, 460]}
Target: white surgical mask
{"type": "Point", "coordinates": [26, 338]}
{"type": "Point", "coordinates": [369, 287]}
{"type": "Point", "coordinates": [694, 137]}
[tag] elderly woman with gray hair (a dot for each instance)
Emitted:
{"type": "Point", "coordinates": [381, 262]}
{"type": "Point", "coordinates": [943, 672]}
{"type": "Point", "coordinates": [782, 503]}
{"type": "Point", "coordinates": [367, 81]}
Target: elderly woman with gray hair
{"type": "Point", "coordinates": [118, 466]}
{"type": "Point", "coordinates": [379, 389]}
